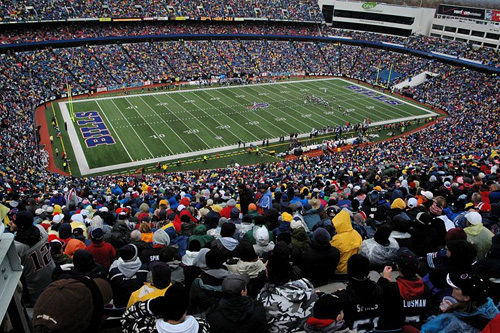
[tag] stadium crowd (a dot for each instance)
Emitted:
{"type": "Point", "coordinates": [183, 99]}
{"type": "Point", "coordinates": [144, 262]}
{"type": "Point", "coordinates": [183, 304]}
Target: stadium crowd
{"type": "Point", "coordinates": [245, 249]}
{"type": "Point", "coordinates": [42, 10]}
{"type": "Point", "coordinates": [52, 32]}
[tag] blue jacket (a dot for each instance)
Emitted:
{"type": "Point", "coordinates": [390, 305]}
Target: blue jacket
{"type": "Point", "coordinates": [452, 322]}
{"type": "Point", "coordinates": [266, 201]}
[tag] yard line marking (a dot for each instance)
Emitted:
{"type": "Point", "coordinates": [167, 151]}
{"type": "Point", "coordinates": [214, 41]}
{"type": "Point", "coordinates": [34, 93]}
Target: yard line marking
{"type": "Point", "coordinates": [131, 127]}
{"type": "Point", "coordinates": [236, 112]}
{"type": "Point", "coordinates": [182, 121]}
{"type": "Point", "coordinates": [184, 142]}
{"type": "Point", "coordinates": [302, 107]}
{"type": "Point", "coordinates": [208, 115]}
{"type": "Point", "coordinates": [149, 125]}
{"type": "Point", "coordinates": [257, 114]}
{"type": "Point", "coordinates": [117, 135]}
{"type": "Point", "coordinates": [290, 115]}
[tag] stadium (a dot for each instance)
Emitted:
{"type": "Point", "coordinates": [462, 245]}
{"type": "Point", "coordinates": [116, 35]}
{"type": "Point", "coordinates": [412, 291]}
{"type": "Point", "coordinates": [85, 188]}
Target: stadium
{"type": "Point", "coordinates": [255, 166]}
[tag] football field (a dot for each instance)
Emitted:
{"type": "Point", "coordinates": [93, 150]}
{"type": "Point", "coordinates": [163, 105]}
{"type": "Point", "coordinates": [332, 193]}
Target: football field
{"type": "Point", "coordinates": [127, 131]}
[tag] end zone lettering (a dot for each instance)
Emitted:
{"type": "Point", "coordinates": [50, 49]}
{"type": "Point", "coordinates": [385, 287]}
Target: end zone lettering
{"type": "Point", "coordinates": [374, 95]}
{"type": "Point", "coordinates": [95, 131]}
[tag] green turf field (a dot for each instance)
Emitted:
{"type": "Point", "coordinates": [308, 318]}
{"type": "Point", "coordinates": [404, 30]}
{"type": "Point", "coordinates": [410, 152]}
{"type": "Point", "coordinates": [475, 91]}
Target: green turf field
{"type": "Point", "coordinates": [127, 131]}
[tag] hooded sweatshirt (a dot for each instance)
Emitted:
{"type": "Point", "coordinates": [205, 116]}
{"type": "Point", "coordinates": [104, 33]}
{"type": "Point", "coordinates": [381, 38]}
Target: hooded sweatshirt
{"type": "Point", "coordinates": [126, 277]}
{"type": "Point", "coordinates": [407, 300]}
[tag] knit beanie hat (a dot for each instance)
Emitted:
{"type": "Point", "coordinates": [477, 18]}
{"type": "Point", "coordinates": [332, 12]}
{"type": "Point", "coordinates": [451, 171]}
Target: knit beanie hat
{"type": "Point", "coordinates": [455, 234]}
{"type": "Point", "coordinates": [23, 219]}
{"type": "Point", "coordinates": [286, 217]}
{"type": "Point", "coordinates": [235, 213]}
{"type": "Point", "coordinates": [64, 231]}
{"type": "Point", "coordinates": [160, 237]}
{"type": "Point", "coordinates": [97, 235]}
{"type": "Point", "coordinates": [360, 218]}
{"type": "Point", "coordinates": [327, 306]}
{"type": "Point", "coordinates": [358, 267]}
{"type": "Point", "coordinates": [214, 259]}
{"type": "Point", "coordinates": [382, 234]}
{"type": "Point", "coordinates": [227, 230]}
{"type": "Point", "coordinates": [128, 252]}
{"type": "Point", "coordinates": [321, 236]}
{"type": "Point", "coordinates": [245, 251]}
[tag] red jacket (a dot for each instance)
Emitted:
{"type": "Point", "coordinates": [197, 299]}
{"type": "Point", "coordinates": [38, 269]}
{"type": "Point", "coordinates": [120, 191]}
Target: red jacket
{"type": "Point", "coordinates": [103, 253]}
{"type": "Point", "coordinates": [177, 220]}
{"type": "Point", "coordinates": [226, 212]}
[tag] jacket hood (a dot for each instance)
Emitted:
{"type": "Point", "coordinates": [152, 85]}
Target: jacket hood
{"type": "Point", "coordinates": [237, 309]}
{"type": "Point", "coordinates": [252, 268]}
{"type": "Point", "coordinates": [261, 236]}
{"type": "Point", "coordinates": [200, 230]}
{"type": "Point", "coordinates": [342, 222]}
{"type": "Point", "coordinates": [229, 243]}
{"type": "Point", "coordinates": [474, 230]}
{"type": "Point", "coordinates": [127, 268]}
{"type": "Point", "coordinates": [410, 290]}
{"type": "Point", "coordinates": [189, 325]}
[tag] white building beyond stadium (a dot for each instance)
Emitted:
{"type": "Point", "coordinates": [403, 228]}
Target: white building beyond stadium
{"type": "Point", "coordinates": [477, 26]}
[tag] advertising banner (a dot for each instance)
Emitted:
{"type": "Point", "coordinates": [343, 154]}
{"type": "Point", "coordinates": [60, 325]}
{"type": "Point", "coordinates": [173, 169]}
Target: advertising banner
{"type": "Point", "coordinates": [465, 12]}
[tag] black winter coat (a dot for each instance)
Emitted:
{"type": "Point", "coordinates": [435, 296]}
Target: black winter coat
{"type": "Point", "coordinates": [238, 314]}
{"type": "Point", "coordinates": [319, 262]}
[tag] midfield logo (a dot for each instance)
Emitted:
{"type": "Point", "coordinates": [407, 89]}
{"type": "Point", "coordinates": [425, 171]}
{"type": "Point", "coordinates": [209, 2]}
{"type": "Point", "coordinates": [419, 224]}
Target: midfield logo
{"type": "Point", "coordinates": [256, 106]}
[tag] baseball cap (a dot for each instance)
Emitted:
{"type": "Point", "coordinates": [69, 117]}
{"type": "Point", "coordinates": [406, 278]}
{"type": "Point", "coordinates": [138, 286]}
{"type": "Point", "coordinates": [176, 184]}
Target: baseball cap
{"type": "Point", "coordinates": [474, 286]}
{"type": "Point", "coordinates": [233, 284]}
{"type": "Point", "coordinates": [412, 203]}
{"type": "Point", "coordinates": [428, 195]}
{"type": "Point", "coordinates": [407, 260]}
{"type": "Point", "coordinates": [66, 299]}
{"type": "Point", "coordinates": [474, 218]}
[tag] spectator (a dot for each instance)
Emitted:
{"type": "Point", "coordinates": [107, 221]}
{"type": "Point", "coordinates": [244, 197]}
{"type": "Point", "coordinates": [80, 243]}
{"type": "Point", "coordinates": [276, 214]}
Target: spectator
{"type": "Point", "coordinates": [473, 310]}
{"type": "Point", "coordinates": [103, 252]}
{"type": "Point", "coordinates": [126, 275]}
{"type": "Point", "coordinates": [34, 250]}
{"type": "Point", "coordinates": [362, 299]}
{"type": "Point", "coordinates": [347, 240]}
{"type": "Point", "coordinates": [236, 311]}
{"type": "Point", "coordinates": [160, 282]}
{"type": "Point", "coordinates": [477, 234]}
{"type": "Point", "coordinates": [64, 300]}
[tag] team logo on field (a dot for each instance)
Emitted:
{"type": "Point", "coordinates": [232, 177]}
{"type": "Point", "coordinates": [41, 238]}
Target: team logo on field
{"type": "Point", "coordinates": [256, 106]}
{"type": "Point", "coordinates": [93, 129]}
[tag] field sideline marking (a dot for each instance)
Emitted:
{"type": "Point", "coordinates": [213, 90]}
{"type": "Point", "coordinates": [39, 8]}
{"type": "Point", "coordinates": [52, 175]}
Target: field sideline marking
{"type": "Point", "coordinates": [74, 141]}
{"type": "Point", "coordinates": [200, 89]}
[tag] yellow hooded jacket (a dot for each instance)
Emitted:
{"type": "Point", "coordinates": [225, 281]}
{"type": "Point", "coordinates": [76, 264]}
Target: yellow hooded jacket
{"type": "Point", "coordinates": [347, 240]}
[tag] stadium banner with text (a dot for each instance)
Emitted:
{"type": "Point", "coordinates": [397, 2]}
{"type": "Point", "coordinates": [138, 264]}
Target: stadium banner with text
{"type": "Point", "coordinates": [493, 15]}
{"type": "Point", "coordinates": [465, 12]}
{"type": "Point", "coordinates": [105, 19]}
